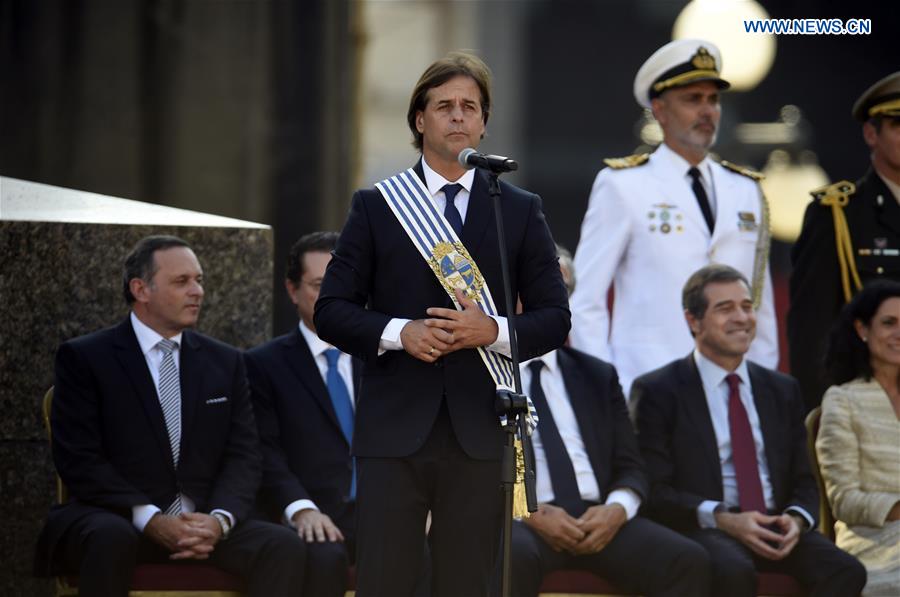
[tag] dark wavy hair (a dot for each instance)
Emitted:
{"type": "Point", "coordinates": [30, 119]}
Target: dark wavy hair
{"type": "Point", "coordinates": [452, 65]}
{"type": "Point", "coordinates": [846, 355]}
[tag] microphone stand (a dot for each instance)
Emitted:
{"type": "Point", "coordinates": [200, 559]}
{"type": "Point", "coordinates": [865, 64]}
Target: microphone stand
{"type": "Point", "coordinates": [513, 404]}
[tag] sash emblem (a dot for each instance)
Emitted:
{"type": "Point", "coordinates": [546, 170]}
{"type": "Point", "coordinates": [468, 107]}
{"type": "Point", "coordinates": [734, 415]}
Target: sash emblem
{"type": "Point", "coordinates": [456, 269]}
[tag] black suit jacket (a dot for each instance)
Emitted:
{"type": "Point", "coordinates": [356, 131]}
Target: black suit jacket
{"type": "Point", "coordinates": [678, 442]}
{"type": "Point", "coordinates": [606, 430]}
{"type": "Point", "coordinates": [305, 454]}
{"type": "Point", "coordinates": [817, 294]}
{"type": "Point", "coordinates": [376, 265]}
{"type": "Point", "coordinates": [110, 444]}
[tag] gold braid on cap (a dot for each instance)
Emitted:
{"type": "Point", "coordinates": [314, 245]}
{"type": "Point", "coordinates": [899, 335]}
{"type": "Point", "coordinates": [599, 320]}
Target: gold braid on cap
{"type": "Point", "coordinates": [704, 67]}
{"type": "Point", "coordinates": [891, 108]}
{"type": "Point", "coordinates": [837, 196]}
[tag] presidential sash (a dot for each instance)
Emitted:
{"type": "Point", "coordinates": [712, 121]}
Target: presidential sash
{"type": "Point", "coordinates": [443, 251]}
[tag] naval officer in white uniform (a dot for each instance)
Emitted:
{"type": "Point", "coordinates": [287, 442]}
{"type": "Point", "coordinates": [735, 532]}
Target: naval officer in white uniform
{"type": "Point", "coordinates": [654, 219]}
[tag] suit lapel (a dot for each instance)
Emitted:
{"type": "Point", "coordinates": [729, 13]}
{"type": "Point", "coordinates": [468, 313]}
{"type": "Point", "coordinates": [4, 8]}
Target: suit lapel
{"type": "Point", "coordinates": [128, 351]}
{"type": "Point", "coordinates": [479, 213]}
{"type": "Point", "coordinates": [763, 400]}
{"type": "Point", "coordinates": [692, 393]}
{"type": "Point", "coordinates": [301, 362]}
{"type": "Point", "coordinates": [585, 413]}
{"type": "Point", "coordinates": [189, 373]}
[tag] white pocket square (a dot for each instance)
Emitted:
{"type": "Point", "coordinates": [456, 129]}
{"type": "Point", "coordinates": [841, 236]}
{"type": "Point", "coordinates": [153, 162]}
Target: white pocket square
{"type": "Point", "coordinates": [217, 400]}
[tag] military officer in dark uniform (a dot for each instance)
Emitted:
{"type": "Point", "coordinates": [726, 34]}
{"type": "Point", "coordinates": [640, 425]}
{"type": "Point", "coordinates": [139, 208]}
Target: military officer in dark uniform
{"type": "Point", "coordinates": [850, 235]}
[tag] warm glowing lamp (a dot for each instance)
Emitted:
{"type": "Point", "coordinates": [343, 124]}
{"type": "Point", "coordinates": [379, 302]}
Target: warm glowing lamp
{"type": "Point", "coordinates": [746, 57]}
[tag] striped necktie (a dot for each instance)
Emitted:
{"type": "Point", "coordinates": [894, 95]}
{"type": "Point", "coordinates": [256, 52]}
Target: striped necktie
{"type": "Point", "coordinates": [170, 401]}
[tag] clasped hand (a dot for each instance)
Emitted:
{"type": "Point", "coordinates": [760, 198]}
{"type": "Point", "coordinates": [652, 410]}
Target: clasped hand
{"type": "Point", "coordinates": [771, 537]}
{"type": "Point", "coordinates": [190, 535]}
{"type": "Point", "coordinates": [448, 330]}
{"type": "Point", "coordinates": [589, 533]}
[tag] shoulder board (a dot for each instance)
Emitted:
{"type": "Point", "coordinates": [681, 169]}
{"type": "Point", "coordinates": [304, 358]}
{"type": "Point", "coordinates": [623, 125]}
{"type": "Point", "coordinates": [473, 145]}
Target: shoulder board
{"type": "Point", "coordinates": [835, 193]}
{"type": "Point", "coordinates": [757, 176]}
{"type": "Point", "coordinates": [627, 162]}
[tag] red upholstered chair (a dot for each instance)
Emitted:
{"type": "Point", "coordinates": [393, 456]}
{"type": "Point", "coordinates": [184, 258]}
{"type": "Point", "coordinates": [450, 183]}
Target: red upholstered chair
{"type": "Point", "coordinates": [580, 582]}
{"type": "Point", "coordinates": [154, 580]}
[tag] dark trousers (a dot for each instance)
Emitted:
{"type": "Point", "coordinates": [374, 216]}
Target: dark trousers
{"type": "Point", "coordinates": [105, 547]}
{"type": "Point", "coordinates": [643, 558]}
{"type": "Point", "coordinates": [394, 496]}
{"type": "Point", "coordinates": [815, 562]}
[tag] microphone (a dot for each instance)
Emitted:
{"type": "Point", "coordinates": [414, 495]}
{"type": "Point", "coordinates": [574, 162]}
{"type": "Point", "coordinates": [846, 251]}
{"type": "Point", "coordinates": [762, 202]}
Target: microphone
{"type": "Point", "coordinates": [469, 158]}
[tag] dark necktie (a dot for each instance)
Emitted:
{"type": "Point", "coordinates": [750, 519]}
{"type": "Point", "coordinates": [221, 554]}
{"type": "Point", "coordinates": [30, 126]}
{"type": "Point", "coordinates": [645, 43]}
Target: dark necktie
{"type": "Point", "coordinates": [562, 473]}
{"type": "Point", "coordinates": [450, 211]}
{"type": "Point", "coordinates": [340, 399]}
{"type": "Point", "coordinates": [702, 199]}
{"type": "Point", "coordinates": [743, 450]}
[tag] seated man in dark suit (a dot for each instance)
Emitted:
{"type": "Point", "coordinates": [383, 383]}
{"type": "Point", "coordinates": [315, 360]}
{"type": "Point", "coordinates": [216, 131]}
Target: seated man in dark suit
{"type": "Point", "coordinates": [154, 437]}
{"type": "Point", "coordinates": [725, 446]}
{"type": "Point", "coordinates": [590, 483]}
{"type": "Point", "coordinates": [302, 389]}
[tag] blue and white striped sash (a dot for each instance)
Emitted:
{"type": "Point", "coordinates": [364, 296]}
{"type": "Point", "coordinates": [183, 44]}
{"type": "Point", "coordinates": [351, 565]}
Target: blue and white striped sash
{"type": "Point", "coordinates": [440, 247]}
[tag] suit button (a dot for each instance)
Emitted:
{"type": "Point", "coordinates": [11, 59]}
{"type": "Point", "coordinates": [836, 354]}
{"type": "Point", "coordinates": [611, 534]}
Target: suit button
{"type": "Point", "coordinates": [880, 270]}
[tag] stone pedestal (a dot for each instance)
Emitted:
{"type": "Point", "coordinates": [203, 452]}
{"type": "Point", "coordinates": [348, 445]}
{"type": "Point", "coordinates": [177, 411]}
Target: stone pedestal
{"type": "Point", "coordinates": [61, 255]}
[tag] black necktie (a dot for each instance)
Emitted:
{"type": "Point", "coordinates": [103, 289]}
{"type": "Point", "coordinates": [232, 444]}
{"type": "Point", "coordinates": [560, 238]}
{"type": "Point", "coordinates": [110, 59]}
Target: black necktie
{"type": "Point", "coordinates": [450, 211]}
{"type": "Point", "coordinates": [562, 473]}
{"type": "Point", "coordinates": [702, 199]}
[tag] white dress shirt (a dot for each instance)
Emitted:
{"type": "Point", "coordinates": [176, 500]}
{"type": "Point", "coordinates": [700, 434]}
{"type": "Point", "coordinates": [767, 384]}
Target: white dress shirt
{"type": "Point", "coordinates": [682, 165]}
{"type": "Point", "coordinates": [317, 347]}
{"type": "Point", "coordinates": [716, 390]}
{"type": "Point", "coordinates": [567, 424]}
{"type": "Point", "coordinates": [148, 339]}
{"type": "Point", "coordinates": [390, 337]}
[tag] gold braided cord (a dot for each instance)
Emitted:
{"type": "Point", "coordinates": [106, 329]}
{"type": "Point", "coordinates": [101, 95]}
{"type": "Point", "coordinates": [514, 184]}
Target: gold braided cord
{"type": "Point", "coordinates": [837, 196]}
{"type": "Point", "coordinates": [520, 504]}
{"type": "Point", "coordinates": [761, 256]}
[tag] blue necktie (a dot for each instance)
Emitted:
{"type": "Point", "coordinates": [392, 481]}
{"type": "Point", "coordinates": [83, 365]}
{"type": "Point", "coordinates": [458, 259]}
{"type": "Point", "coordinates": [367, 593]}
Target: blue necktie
{"type": "Point", "coordinates": [562, 474]}
{"type": "Point", "coordinates": [340, 399]}
{"type": "Point", "coordinates": [450, 211]}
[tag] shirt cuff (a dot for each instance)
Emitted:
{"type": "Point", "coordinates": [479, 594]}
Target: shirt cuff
{"type": "Point", "coordinates": [295, 507]}
{"type": "Point", "coordinates": [141, 515]}
{"type": "Point", "coordinates": [626, 498]}
{"type": "Point", "coordinates": [810, 521]}
{"type": "Point", "coordinates": [226, 513]}
{"type": "Point", "coordinates": [390, 337]}
{"type": "Point", "coordinates": [706, 514]}
{"type": "Point", "coordinates": [501, 344]}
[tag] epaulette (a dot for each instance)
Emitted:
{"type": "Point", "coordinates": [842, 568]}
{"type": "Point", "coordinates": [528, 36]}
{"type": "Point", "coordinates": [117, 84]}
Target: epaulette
{"type": "Point", "coordinates": [627, 162]}
{"type": "Point", "coordinates": [757, 176]}
{"type": "Point", "coordinates": [837, 193]}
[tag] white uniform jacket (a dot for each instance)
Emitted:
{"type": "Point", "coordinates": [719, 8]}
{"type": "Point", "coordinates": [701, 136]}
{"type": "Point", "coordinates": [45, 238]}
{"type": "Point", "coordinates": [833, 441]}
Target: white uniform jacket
{"type": "Point", "coordinates": [644, 232]}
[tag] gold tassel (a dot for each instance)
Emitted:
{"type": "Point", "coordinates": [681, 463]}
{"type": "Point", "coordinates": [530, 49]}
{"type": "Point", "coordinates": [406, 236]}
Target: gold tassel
{"type": "Point", "coordinates": [520, 504]}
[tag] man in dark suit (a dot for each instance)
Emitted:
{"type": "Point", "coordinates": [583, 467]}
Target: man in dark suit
{"type": "Point", "coordinates": [725, 447]}
{"type": "Point", "coordinates": [426, 436]}
{"type": "Point", "coordinates": [822, 282]}
{"type": "Point", "coordinates": [305, 428]}
{"type": "Point", "coordinates": [590, 484]}
{"type": "Point", "coordinates": [154, 437]}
